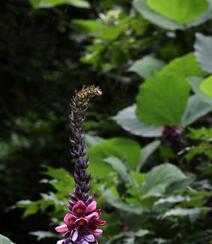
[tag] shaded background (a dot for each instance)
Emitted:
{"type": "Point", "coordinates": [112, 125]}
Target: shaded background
{"type": "Point", "coordinates": [40, 71]}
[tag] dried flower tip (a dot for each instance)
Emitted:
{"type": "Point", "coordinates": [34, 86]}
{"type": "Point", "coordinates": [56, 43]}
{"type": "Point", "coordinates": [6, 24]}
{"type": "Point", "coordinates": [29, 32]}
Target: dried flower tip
{"type": "Point", "coordinates": [85, 94]}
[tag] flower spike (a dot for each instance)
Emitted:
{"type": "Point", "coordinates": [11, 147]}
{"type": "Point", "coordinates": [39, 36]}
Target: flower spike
{"type": "Point", "coordinates": [83, 218]}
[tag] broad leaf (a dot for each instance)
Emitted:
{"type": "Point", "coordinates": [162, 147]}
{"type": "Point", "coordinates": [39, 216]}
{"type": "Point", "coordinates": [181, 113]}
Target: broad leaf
{"type": "Point", "coordinates": [155, 18]}
{"type": "Point", "coordinates": [128, 120]}
{"type": "Point", "coordinates": [147, 151]}
{"type": "Point", "coordinates": [52, 3]}
{"type": "Point", "coordinates": [162, 100]}
{"type": "Point", "coordinates": [160, 178]}
{"type": "Point", "coordinates": [5, 240]}
{"type": "Point", "coordinates": [117, 203]}
{"type": "Point", "coordinates": [146, 66]}
{"type": "Point", "coordinates": [203, 51]}
{"type": "Point", "coordinates": [163, 96]}
{"type": "Point", "coordinates": [142, 7]}
{"type": "Point", "coordinates": [206, 86]}
{"type": "Point", "coordinates": [180, 11]}
{"type": "Point", "coordinates": [119, 167]}
{"type": "Point", "coordinates": [92, 140]}
{"type": "Point", "coordinates": [40, 235]}
{"type": "Point", "coordinates": [170, 200]}
{"type": "Point", "coordinates": [137, 178]}
{"type": "Point", "coordinates": [195, 83]}
{"type": "Point", "coordinates": [29, 206]}
{"type": "Point", "coordinates": [184, 66]}
{"type": "Point", "coordinates": [100, 29]}
{"type": "Point", "coordinates": [195, 109]}
{"type": "Point", "coordinates": [201, 134]}
{"type": "Point", "coordinates": [125, 149]}
{"type": "Point", "coordinates": [192, 213]}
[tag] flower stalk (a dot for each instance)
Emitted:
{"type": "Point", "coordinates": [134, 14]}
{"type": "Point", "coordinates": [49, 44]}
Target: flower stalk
{"type": "Point", "coordinates": [82, 219]}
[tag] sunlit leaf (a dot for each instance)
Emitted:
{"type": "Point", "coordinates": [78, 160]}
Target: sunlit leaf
{"type": "Point", "coordinates": [162, 100]}
{"type": "Point", "coordinates": [184, 66]}
{"type": "Point", "coordinates": [142, 7]}
{"type": "Point", "coordinates": [99, 29]}
{"type": "Point", "coordinates": [154, 17]}
{"type": "Point", "coordinates": [180, 11]}
{"type": "Point", "coordinates": [195, 83]}
{"type": "Point", "coordinates": [163, 96]}
{"type": "Point", "coordinates": [206, 86]}
{"type": "Point", "coordinates": [52, 3]}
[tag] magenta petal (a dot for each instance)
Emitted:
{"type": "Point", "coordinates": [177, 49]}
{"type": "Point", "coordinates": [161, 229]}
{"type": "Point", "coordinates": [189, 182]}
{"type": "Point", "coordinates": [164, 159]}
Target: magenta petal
{"type": "Point", "coordinates": [79, 208]}
{"type": "Point", "coordinates": [81, 221]}
{"type": "Point", "coordinates": [80, 204]}
{"type": "Point", "coordinates": [97, 232]}
{"type": "Point", "coordinates": [74, 235]}
{"type": "Point", "coordinates": [69, 219]}
{"type": "Point", "coordinates": [91, 207]}
{"type": "Point", "coordinates": [94, 215]}
{"type": "Point", "coordinates": [100, 222]}
{"type": "Point", "coordinates": [90, 238]}
{"type": "Point", "coordinates": [61, 229]}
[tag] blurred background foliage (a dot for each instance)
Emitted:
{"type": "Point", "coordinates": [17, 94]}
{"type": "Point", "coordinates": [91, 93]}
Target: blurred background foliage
{"type": "Point", "coordinates": [149, 132]}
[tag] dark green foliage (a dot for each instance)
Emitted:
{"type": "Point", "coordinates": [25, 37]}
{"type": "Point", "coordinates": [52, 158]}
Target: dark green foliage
{"type": "Point", "coordinates": [154, 68]}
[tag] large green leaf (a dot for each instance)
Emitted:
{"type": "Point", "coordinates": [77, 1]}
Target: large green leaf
{"type": "Point", "coordinates": [128, 120]}
{"type": "Point", "coordinates": [162, 97]}
{"type": "Point", "coordinates": [147, 151]}
{"type": "Point", "coordinates": [154, 17]}
{"type": "Point", "coordinates": [206, 86]}
{"type": "Point", "coordinates": [181, 11]}
{"type": "Point", "coordinates": [52, 3]}
{"type": "Point", "coordinates": [160, 178]}
{"type": "Point", "coordinates": [125, 149]}
{"type": "Point", "coordinates": [120, 205]}
{"type": "Point", "coordinates": [119, 167]}
{"type": "Point", "coordinates": [146, 66]}
{"type": "Point", "coordinates": [195, 83]}
{"type": "Point", "coordinates": [195, 109]}
{"type": "Point", "coordinates": [203, 51]}
{"type": "Point", "coordinates": [100, 29]}
{"type": "Point", "coordinates": [162, 100]}
{"type": "Point", "coordinates": [184, 66]}
{"type": "Point", "coordinates": [5, 240]}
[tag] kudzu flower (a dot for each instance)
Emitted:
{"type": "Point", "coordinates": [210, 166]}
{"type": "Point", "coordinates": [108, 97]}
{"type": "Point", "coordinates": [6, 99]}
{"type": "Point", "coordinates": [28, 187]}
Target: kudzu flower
{"type": "Point", "coordinates": [83, 218]}
{"type": "Point", "coordinates": [172, 137]}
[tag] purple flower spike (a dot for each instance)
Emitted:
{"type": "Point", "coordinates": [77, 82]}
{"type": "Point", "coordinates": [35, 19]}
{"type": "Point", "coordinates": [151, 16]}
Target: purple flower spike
{"type": "Point", "coordinates": [83, 218]}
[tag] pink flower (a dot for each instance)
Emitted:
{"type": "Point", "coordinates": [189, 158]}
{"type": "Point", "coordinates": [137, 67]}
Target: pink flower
{"type": "Point", "coordinates": [81, 224]}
